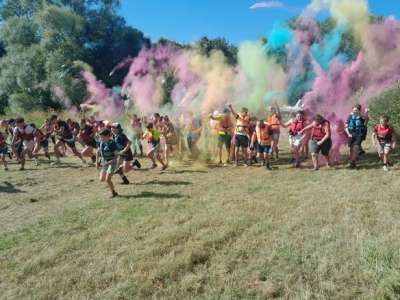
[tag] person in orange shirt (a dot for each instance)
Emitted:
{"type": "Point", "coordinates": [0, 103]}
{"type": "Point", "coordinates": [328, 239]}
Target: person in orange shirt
{"type": "Point", "coordinates": [264, 139]}
{"type": "Point", "coordinates": [274, 120]}
{"type": "Point", "coordinates": [225, 128]}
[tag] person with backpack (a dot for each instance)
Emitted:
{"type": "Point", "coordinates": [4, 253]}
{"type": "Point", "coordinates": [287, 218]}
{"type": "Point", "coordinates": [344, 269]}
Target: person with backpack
{"type": "Point", "coordinates": [356, 130]}
{"type": "Point", "coordinates": [383, 138]}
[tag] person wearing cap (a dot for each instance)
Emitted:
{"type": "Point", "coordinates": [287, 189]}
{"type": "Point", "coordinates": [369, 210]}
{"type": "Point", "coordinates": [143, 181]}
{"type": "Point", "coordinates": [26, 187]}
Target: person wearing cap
{"type": "Point", "coordinates": [106, 159]}
{"type": "Point", "coordinates": [225, 128]}
{"type": "Point", "coordinates": [125, 153]}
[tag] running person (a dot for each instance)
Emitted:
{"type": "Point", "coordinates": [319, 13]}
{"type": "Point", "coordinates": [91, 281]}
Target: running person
{"type": "Point", "coordinates": [383, 138]}
{"type": "Point", "coordinates": [65, 137]}
{"type": "Point", "coordinates": [356, 130]}
{"type": "Point", "coordinates": [3, 150]}
{"type": "Point", "coordinates": [242, 139]}
{"type": "Point", "coordinates": [136, 124]}
{"type": "Point", "coordinates": [107, 156]}
{"type": "Point", "coordinates": [23, 141]}
{"type": "Point", "coordinates": [87, 136]}
{"type": "Point", "coordinates": [320, 141]}
{"type": "Point", "coordinates": [152, 137]}
{"type": "Point", "coordinates": [125, 153]}
{"type": "Point", "coordinates": [171, 138]}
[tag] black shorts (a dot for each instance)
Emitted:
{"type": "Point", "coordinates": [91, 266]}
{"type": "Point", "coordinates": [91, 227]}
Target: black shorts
{"type": "Point", "coordinates": [356, 140]}
{"type": "Point", "coordinates": [264, 149]}
{"type": "Point", "coordinates": [44, 144]}
{"type": "Point", "coordinates": [241, 141]}
{"type": "Point", "coordinates": [324, 149]}
{"type": "Point", "coordinates": [127, 156]}
{"type": "Point", "coordinates": [69, 142]}
{"type": "Point", "coordinates": [91, 143]}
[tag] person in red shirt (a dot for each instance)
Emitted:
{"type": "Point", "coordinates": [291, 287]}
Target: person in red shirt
{"type": "Point", "coordinates": [296, 140]}
{"type": "Point", "coordinates": [383, 139]}
{"type": "Point", "coordinates": [320, 141]}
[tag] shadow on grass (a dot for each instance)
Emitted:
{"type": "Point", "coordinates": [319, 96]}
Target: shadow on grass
{"type": "Point", "coordinates": [184, 171]}
{"type": "Point", "coordinates": [152, 195]}
{"type": "Point", "coordinates": [8, 188]}
{"type": "Point", "coordinates": [166, 183]}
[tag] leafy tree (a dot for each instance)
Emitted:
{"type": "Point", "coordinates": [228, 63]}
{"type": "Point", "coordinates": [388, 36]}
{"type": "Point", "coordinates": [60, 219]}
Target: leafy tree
{"type": "Point", "coordinates": [206, 46]}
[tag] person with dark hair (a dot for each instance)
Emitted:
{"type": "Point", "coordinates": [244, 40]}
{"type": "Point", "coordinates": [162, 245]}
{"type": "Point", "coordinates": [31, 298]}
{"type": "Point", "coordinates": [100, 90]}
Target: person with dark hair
{"type": "Point", "coordinates": [383, 138]}
{"type": "Point", "coordinates": [65, 137]}
{"type": "Point", "coordinates": [320, 141]}
{"type": "Point", "coordinates": [106, 159]}
{"type": "Point", "coordinates": [125, 153]}
{"type": "Point", "coordinates": [356, 130]}
{"type": "Point", "coordinates": [296, 140]}
{"type": "Point", "coordinates": [152, 136]}
{"type": "Point", "coordinates": [23, 141]}
{"type": "Point", "coordinates": [264, 134]}
{"type": "Point", "coordinates": [87, 136]}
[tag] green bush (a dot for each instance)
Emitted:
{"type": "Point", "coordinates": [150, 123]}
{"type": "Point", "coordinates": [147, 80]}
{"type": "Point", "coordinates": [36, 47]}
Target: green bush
{"type": "Point", "coordinates": [387, 104]}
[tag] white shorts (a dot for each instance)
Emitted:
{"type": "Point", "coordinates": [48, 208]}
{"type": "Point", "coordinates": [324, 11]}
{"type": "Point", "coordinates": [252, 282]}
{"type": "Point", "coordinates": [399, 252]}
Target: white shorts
{"type": "Point", "coordinates": [29, 145]}
{"type": "Point", "coordinates": [383, 148]}
{"type": "Point", "coordinates": [109, 167]}
{"type": "Point", "coordinates": [296, 141]}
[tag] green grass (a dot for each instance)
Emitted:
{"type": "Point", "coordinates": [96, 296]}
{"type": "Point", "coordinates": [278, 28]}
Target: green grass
{"type": "Point", "coordinates": [196, 232]}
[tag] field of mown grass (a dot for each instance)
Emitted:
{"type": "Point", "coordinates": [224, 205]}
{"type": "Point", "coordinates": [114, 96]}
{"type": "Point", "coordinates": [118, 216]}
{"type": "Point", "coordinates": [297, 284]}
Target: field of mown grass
{"type": "Point", "coordinates": [200, 232]}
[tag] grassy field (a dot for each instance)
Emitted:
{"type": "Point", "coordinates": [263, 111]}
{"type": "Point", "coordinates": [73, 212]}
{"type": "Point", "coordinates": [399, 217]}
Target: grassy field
{"type": "Point", "coordinates": [200, 232]}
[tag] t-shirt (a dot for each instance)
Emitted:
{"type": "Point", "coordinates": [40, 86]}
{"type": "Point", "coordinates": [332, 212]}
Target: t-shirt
{"type": "Point", "coordinates": [121, 140]}
{"type": "Point", "coordinates": [86, 133]}
{"type": "Point", "coordinates": [107, 150]}
{"type": "Point", "coordinates": [384, 134]}
{"type": "Point", "coordinates": [65, 130]}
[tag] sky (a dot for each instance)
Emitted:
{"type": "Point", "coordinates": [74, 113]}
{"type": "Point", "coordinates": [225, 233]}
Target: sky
{"type": "Point", "coordinates": [186, 21]}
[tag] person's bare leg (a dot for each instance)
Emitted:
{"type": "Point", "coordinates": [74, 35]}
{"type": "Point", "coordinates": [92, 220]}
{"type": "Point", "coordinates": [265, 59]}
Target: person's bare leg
{"type": "Point", "coordinates": [314, 157]}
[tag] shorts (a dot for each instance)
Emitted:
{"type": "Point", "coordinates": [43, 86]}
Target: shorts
{"type": "Point", "coordinates": [224, 139]}
{"type": "Point", "coordinates": [127, 156]}
{"type": "Point", "coordinates": [109, 167]}
{"type": "Point", "coordinates": [153, 148]}
{"type": "Point", "coordinates": [69, 142]}
{"type": "Point", "coordinates": [355, 140]}
{"type": "Point", "coordinates": [44, 144]}
{"type": "Point", "coordinates": [3, 151]}
{"type": "Point", "coordinates": [275, 135]}
{"type": "Point", "coordinates": [241, 141]}
{"type": "Point", "coordinates": [383, 148]}
{"type": "Point", "coordinates": [296, 141]}
{"type": "Point", "coordinates": [324, 149]}
{"type": "Point", "coordinates": [91, 143]}
{"type": "Point", "coordinates": [267, 149]}
{"type": "Point", "coordinates": [29, 145]}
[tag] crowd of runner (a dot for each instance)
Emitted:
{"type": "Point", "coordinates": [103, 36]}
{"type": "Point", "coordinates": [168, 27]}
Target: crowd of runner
{"type": "Point", "coordinates": [246, 139]}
